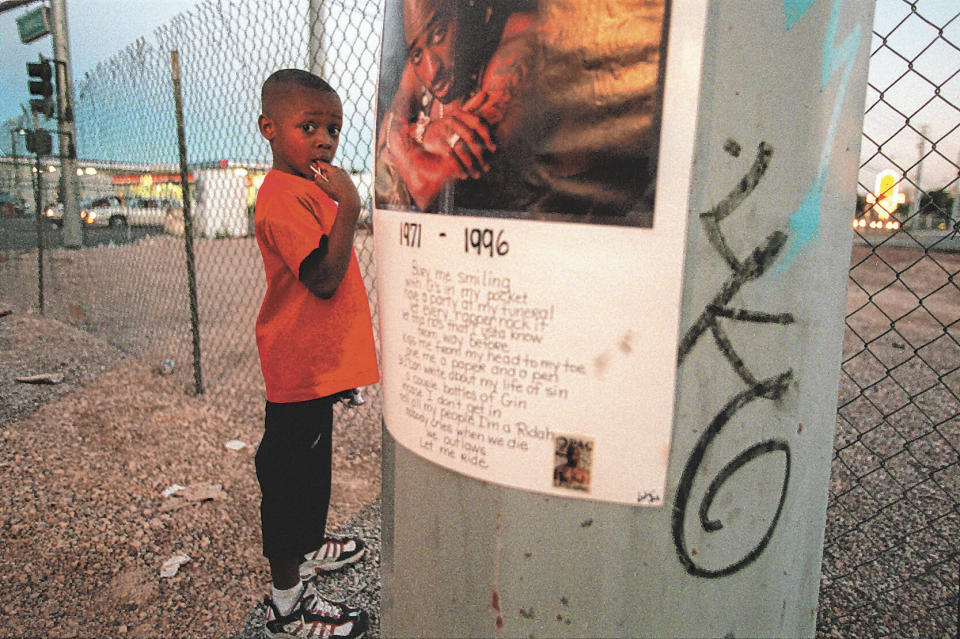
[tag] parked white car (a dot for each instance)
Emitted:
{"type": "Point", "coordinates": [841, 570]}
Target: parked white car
{"type": "Point", "coordinates": [110, 211]}
{"type": "Point", "coordinates": [54, 214]}
{"type": "Point", "coordinates": [103, 211]}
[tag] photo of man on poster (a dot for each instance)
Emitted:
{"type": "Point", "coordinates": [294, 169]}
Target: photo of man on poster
{"type": "Point", "coordinates": [521, 108]}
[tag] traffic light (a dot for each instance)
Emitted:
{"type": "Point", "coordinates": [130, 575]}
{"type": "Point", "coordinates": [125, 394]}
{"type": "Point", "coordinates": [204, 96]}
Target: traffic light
{"type": "Point", "coordinates": [39, 142]}
{"type": "Point", "coordinates": [41, 74]}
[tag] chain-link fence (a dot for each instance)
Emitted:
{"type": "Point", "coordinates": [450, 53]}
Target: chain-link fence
{"type": "Point", "coordinates": [890, 559]}
{"type": "Point", "coordinates": [893, 527]}
{"type": "Point", "coordinates": [130, 284]}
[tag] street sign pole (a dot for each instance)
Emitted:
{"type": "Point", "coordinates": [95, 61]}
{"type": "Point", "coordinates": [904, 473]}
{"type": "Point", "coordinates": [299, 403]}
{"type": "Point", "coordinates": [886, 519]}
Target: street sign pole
{"type": "Point", "coordinates": [69, 195]}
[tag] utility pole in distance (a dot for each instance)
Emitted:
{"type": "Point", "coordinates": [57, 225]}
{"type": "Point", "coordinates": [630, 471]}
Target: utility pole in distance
{"type": "Point", "coordinates": [72, 232]}
{"type": "Point", "coordinates": [32, 26]}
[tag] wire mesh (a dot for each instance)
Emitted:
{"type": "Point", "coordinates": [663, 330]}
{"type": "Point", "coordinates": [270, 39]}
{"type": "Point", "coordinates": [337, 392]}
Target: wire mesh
{"type": "Point", "coordinates": [890, 558]}
{"type": "Point", "coordinates": [129, 285]}
{"type": "Point", "coordinates": [890, 563]}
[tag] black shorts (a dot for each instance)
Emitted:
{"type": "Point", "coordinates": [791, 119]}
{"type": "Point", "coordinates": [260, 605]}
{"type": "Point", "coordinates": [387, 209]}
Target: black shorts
{"type": "Point", "coordinates": [294, 469]}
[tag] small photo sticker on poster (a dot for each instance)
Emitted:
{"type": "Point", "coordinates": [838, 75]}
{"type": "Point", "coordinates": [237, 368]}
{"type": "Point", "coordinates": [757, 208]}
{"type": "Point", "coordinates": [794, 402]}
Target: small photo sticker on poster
{"type": "Point", "coordinates": [573, 461]}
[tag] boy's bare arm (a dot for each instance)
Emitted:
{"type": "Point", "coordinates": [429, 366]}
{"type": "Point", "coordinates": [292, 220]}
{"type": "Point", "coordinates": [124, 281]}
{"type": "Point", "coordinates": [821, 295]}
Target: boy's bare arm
{"type": "Point", "coordinates": [322, 271]}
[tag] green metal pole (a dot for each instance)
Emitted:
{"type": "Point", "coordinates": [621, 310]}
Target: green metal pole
{"type": "Point", "coordinates": [187, 221]}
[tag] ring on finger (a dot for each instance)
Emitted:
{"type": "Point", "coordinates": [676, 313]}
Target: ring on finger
{"type": "Point", "coordinates": [453, 139]}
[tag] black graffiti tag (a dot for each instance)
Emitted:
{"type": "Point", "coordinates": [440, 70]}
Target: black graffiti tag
{"type": "Point", "coordinates": [742, 272]}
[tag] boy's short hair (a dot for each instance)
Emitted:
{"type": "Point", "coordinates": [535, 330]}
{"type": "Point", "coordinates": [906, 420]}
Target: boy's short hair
{"type": "Point", "coordinates": [298, 77]}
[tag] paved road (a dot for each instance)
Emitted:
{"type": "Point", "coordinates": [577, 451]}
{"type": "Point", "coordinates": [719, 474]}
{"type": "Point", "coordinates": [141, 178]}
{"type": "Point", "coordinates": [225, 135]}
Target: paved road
{"type": "Point", "coordinates": [20, 234]}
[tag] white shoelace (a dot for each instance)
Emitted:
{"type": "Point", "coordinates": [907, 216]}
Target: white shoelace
{"type": "Point", "coordinates": [321, 606]}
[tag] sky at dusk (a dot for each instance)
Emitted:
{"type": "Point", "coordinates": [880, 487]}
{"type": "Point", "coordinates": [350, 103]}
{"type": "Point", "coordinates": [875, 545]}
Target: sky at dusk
{"type": "Point", "coordinates": [97, 28]}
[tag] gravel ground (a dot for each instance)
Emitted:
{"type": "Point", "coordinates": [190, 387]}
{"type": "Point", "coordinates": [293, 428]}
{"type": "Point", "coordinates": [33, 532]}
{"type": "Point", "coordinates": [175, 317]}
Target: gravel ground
{"type": "Point", "coordinates": [891, 565]}
{"type": "Point", "coordinates": [31, 344]}
{"type": "Point", "coordinates": [84, 524]}
{"type": "Point", "coordinates": [357, 585]}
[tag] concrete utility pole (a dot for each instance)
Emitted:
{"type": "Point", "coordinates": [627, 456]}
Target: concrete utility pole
{"type": "Point", "coordinates": [734, 549]}
{"type": "Point", "coordinates": [72, 231]}
{"type": "Point", "coordinates": [317, 17]}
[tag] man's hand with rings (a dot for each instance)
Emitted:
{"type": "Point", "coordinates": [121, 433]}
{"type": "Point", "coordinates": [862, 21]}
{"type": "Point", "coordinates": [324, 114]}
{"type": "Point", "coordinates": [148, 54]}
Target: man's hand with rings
{"type": "Point", "coordinates": [463, 139]}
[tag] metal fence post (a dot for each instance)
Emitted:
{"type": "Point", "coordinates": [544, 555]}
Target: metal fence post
{"type": "Point", "coordinates": [187, 221]}
{"type": "Point", "coordinates": [735, 550]}
{"type": "Point", "coordinates": [38, 198]}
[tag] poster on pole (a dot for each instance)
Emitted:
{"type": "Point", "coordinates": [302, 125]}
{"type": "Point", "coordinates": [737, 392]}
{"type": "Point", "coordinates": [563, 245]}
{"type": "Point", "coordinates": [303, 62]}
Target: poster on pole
{"type": "Point", "coordinates": [529, 234]}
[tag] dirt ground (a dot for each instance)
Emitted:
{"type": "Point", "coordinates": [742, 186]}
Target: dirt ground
{"type": "Point", "coordinates": [84, 524]}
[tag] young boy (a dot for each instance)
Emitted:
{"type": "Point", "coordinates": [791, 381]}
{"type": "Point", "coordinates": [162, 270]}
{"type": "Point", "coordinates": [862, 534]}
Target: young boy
{"type": "Point", "coordinates": [315, 341]}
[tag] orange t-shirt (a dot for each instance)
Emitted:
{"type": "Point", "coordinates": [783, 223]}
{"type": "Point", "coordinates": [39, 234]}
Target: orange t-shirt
{"type": "Point", "coordinates": [309, 347]}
